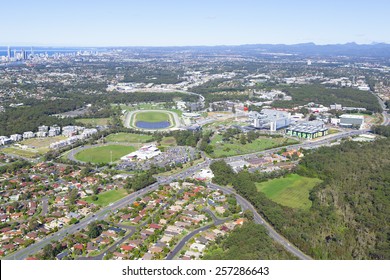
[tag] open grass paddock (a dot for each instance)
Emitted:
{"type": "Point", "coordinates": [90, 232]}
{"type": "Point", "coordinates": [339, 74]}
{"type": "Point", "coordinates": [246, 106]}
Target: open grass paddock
{"type": "Point", "coordinates": [292, 190]}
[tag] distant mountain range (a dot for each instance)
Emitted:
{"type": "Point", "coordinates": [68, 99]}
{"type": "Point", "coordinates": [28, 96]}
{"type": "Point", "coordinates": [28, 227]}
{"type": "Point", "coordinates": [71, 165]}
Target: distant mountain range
{"type": "Point", "coordinates": [378, 50]}
{"type": "Point", "coordinates": [375, 50]}
{"type": "Point", "coordinates": [349, 49]}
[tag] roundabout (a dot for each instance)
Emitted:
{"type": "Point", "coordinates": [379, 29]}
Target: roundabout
{"type": "Point", "coordinates": [152, 120]}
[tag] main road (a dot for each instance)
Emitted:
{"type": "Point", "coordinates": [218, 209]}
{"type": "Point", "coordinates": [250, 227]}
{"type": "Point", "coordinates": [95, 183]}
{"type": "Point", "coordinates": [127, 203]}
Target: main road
{"type": "Point", "coordinates": [386, 117]}
{"type": "Point", "coordinates": [103, 213]}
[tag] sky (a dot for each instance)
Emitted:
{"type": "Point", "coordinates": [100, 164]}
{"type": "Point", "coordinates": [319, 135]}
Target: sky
{"type": "Point", "coordinates": [192, 22]}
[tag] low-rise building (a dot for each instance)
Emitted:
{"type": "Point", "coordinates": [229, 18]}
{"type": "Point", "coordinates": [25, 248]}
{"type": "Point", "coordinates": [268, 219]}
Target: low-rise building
{"type": "Point", "coordinates": [238, 165]}
{"type": "Point", "coordinates": [146, 152]}
{"type": "Point", "coordinates": [28, 135]}
{"type": "Point", "coordinates": [308, 130]}
{"type": "Point", "coordinates": [347, 120]}
{"type": "Point", "coordinates": [41, 134]}
{"type": "Point", "coordinates": [43, 128]}
{"type": "Point", "coordinates": [5, 140]}
{"type": "Point", "coordinates": [54, 131]}
{"type": "Point", "coordinates": [16, 137]}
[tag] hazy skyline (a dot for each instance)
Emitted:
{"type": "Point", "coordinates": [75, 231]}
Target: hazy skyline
{"type": "Point", "coordinates": [191, 23]}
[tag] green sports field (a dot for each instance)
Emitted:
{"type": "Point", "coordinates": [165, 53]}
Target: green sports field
{"type": "Point", "coordinates": [292, 190]}
{"type": "Point", "coordinates": [103, 154]}
{"type": "Point", "coordinates": [152, 116]}
{"type": "Point", "coordinates": [107, 197]}
{"type": "Point", "coordinates": [128, 137]}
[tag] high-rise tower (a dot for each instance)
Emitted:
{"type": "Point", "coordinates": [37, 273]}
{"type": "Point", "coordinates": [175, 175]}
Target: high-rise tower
{"type": "Point", "coordinates": [24, 54]}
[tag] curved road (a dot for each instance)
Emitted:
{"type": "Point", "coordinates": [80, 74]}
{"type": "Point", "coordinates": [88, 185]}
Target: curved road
{"type": "Point", "coordinates": [386, 117]}
{"type": "Point", "coordinates": [183, 242]}
{"type": "Point", "coordinates": [113, 247]}
{"type": "Point", "coordinates": [102, 214]}
{"type": "Point", "coordinates": [260, 220]}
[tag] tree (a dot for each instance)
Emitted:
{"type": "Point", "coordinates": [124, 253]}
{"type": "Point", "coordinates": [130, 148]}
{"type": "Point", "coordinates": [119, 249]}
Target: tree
{"type": "Point", "coordinates": [304, 111]}
{"type": "Point", "coordinates": [248, 214]}
{"type": "Point", "coordinates": [251, 136]}
{"type": "Point", "coordinates": [86, 171]}
{"type": "Point", "coordinates": [209, 149]}
{"type": "Point", "coordinates": [243, 139]}
{"type": "Point", "coordinates": [73, 221]}
{"type": "Point", "coordinates": [95, 189]}
{"type": "Point", "coordinates": [73, 195]}
{"type": "Point", "coordinates": [223, 173]}
{"type": "Point", "coordinates": [94, 230]}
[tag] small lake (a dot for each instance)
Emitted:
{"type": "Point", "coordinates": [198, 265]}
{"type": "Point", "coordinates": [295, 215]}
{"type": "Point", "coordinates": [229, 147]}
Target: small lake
{"type": "Point", "coordinates": [152, 125]}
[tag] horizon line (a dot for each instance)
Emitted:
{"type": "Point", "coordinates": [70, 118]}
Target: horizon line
{"type": "Point", "coordinates": [181, 46]}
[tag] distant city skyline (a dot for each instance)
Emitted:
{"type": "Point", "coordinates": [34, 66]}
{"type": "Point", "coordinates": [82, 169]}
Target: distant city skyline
{"type": "Point", "coordinates": [192, 23]}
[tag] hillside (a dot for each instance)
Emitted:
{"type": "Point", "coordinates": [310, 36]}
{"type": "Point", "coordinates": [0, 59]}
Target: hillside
{"type": "Point", "coordinates": [249, 242]}
{"type": "Point", "coordinates": [350, 213]}
{"type": "Point", "coordinates": [348, 97]}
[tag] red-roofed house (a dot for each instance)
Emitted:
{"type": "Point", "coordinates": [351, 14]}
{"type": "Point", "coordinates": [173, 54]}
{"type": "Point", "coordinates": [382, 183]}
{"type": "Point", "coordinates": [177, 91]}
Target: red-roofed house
{"type": "Point", "coordinates": [81, 202]}
{"type": "Point", "coordinates": [127, 247]}
{"type": "Point", "coordinates": [155, 226]}
{"type": "Point", "coordinates": [78, 246]}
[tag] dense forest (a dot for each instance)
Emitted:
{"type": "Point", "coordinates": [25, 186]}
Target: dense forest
{"type": "Point", "coordinates": [301, 95]}
{"type": "Point", "coordinates": [349, 217]}
{"type": "Point", "coordinates": [381, 130]}
{"type": "Point", "coordinates": [31, 116]}
{"type": "Point", "coordinates": [248, 242]}
{"type": "Point", "coordinates": [156, 76]}
{"type": "Point", "coordinates": [35, 113]}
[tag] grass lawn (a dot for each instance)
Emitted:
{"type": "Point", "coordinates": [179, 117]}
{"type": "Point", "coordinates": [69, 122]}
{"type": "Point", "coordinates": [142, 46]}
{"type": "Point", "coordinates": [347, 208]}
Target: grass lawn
{"type": "Point", "coordinates": [185, 166]}
{"type": "Point", "coordinates": [177, 111]}
{"type": "Point", "coordinates": [226, 149]}
{"type": "Point", "coordinates": [41, 143]}
{"type": "Point", "coordinates": [128, 137]}
{"type": "Point", "coordinates": [94, 121]}
{"type": "Point", "coordinates": [168, 141]}
{"type": "Point", "coordinates": [333, 131]}
{"type": "Point", "coordinates": [107, 197]}
{"type": "Point", "coordinates": [103, 154]}
{"type": "Point", "coordinates": [152, 116]}
{"type": "Point", "coordinates": [292, 191]}
{"type": "Point", "coordinates": [20, 152]}
{"type": "Point", "coordinates": [64, 156]}
{"type": "Point", "coordinates": [35, 146]}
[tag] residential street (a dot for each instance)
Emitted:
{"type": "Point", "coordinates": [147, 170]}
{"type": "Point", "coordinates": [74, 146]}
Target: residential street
{"type": "Point", "coordinates": [102, 214]}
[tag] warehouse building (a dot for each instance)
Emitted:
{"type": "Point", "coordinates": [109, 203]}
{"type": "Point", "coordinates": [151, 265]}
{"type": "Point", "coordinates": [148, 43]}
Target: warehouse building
{"type": "Point", "coordinates": [351, 121]}
{"type": "Point", "coordinates": [308, 130]}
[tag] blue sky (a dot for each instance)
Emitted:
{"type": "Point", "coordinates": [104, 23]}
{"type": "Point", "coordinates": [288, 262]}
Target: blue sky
{"type": "Point", "coordinates": [192, 22]}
